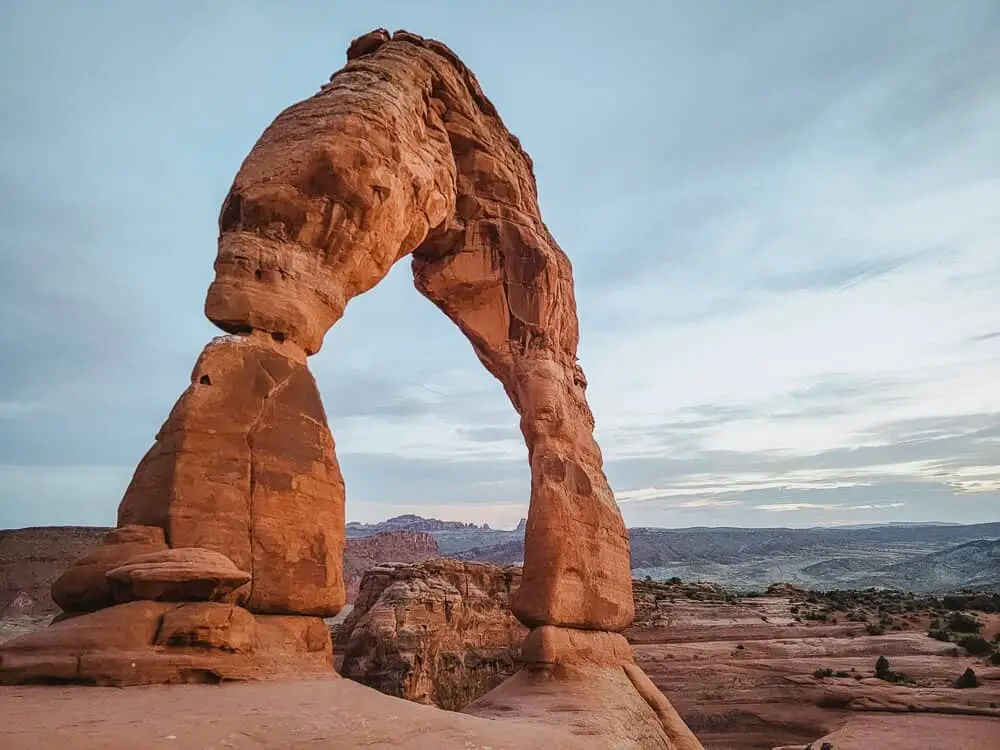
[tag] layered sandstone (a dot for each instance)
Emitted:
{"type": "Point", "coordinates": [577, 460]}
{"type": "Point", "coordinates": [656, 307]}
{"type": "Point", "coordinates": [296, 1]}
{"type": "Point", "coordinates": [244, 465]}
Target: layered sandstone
{"type": "Point", "coordinates": [145, 642]}
{"type": "Point", "coordinates": [245, 466]}
{"type": "Point", "coordinates": [364, 553]}
{"type": "Point", "coordinates": [84, 586]}
{"type": "Point", "coordinates": [402, 153]}
{"type": "Point", "coordinates": [440, 632]}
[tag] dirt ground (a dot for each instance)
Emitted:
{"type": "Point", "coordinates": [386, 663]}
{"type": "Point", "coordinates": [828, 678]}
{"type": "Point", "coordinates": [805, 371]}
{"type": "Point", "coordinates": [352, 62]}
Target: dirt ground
{"type": "Point", "coordinates": [314, 714]}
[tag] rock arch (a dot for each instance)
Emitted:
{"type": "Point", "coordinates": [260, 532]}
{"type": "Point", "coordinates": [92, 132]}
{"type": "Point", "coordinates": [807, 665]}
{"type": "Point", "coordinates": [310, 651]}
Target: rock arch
{"type": "Point", "coordinates": [230, 537]}
{"type": "Point", "coordinates": [400, 154]}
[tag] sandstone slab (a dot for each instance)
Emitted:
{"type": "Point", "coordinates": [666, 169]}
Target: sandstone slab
{"type": "Point", "coordinates": [245, 466]}
{"type": "Point", "coordinates": [145, 642]}
{"type": "Point", "coordinates": [83, 587]}
{"type": "Point", "coordinates": [179, 575]}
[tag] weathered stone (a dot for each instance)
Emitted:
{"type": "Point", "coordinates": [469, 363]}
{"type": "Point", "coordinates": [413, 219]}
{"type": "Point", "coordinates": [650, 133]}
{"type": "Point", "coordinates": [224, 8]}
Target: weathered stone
{"type": "Point", "coordinates": [146, 642]}
{"type": "Point", "coordinates": [179, 575]}
{"type": "Point", "coordinates": [245, 466]}
{"type": "Point", "coordinates": [438, 632]}
{"type": "Point", "coordinates": [363, 553]}
{"type": "Point", "coordinates": [402, 153]}
{"type": "Point", "coordinates": [209, 625]}
{"type": "Point", "coordinates": [83, 587]}
{"type": "Point", "coordinates": [548, 646]}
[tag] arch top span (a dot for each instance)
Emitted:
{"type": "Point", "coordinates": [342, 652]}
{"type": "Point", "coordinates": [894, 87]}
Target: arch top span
{"type": "Point", "coordinates": [400, 154]}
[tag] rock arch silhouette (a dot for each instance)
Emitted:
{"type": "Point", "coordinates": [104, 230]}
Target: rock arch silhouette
{"type": "Point", "coordinates": [399, 154]}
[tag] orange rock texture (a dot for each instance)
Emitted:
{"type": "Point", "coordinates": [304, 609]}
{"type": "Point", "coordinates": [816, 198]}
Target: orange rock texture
{"type": "Point", "coordinates": [401, 153]}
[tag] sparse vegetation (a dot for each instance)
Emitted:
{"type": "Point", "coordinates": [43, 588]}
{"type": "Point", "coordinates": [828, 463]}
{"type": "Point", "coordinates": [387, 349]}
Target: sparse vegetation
{"type": "Point", "coordinates": [960, 622]}
{"type": "Point", "coordinates": [967, 679]}
{"type": "Point", "coordinates": [883, 672]}
{"type": "Point", "coordinates": [975, 646]}
{"type": "Point", "coordinates": [824, 672]}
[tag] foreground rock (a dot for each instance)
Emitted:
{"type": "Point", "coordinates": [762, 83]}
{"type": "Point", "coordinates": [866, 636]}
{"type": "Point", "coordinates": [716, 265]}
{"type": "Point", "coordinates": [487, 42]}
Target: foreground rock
{"type": "Point", "coordinates": [440, 632]}
{"type": "Point", "coordinates": [184, 574]}
{"type": "Point", "coordinates": [298, 715]}
{"type": "Point", "coordinates": [146, 642]}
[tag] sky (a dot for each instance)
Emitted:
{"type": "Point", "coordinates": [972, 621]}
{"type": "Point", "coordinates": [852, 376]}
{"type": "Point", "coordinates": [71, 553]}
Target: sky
{"type": "Point", "coordinates": [784, 222]}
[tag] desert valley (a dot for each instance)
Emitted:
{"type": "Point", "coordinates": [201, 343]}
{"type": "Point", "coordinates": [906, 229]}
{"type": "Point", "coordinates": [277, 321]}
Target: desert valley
{"type": "Point", "coordinates": [747, 666]}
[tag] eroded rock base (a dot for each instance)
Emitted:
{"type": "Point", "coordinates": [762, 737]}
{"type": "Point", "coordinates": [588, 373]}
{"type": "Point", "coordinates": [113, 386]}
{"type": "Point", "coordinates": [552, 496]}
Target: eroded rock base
{"type": "Point", "coordinates": [587, 682]}
{"type": "Point", "coordinates": [146, 642]}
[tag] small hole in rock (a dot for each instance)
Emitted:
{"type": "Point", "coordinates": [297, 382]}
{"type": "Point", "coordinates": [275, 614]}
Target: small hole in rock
{"type": "Point", "coordinates": [258, 274]}
{"type": "Point", "coordinates": [205, 380]}
{"type": "Point", "coordinates": [278, 336]}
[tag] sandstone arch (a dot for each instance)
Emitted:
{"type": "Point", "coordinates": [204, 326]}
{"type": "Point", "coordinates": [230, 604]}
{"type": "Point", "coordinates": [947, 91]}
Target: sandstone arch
{"type": "Point", "coordinates": [400, 154]}
{"type": "Point", "coordinates": [230, 535]}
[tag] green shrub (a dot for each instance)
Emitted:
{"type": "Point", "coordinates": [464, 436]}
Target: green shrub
{"type": "Point", "coordinates": [967, 680]}
{"type": "Point", "coordinates": [873, 629]}
{"type": "Point", "coordinates": [939, 635]}
{"type": "Point", "coordinates": [954, 602]}
{"type": "Point", "coordinates": [975, 645]}
{"type": "Point", "coordinates": [821, 673]}
{"type": "Point", "coordinates": [963, 623]}
{"type": "Point", "coordinates": [881, 666]}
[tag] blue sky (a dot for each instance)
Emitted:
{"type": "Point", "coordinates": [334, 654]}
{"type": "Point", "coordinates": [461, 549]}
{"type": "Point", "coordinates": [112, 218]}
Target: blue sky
{"type": "Point", "coordinates": [783, 219]}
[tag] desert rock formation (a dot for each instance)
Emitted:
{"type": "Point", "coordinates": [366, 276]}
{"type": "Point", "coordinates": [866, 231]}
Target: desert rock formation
{"type": "Point", "coordinates": [363, 553]}
{"type": "Point", "coordinates": [399, 154]}
{"type": "Point", "coordinates": [440, 632]}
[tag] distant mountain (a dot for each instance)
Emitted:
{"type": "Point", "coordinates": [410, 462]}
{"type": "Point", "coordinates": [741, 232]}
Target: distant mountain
{"type": "Point", "coordinates": [753, 558]}
{"type": "Point", "coordinates": [410, 522]}
{"type": "Point", "coordinates": [973, 565]}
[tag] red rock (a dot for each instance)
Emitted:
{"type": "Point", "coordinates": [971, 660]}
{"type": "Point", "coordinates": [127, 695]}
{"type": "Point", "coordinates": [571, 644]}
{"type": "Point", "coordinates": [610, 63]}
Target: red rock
{"type": "Point", "coordinates": [402, 153]}
{"type": "Point", "coordinates": [208, 625]}
{"type": "Point", "coordinates": [245, 466]}
{"type": "Point", "coordinates": [364, 553]}
{"type": "Point", "coordinates": [84, 587]}
{"type": "Point", "coordinates": [179, 575]}
{"type": "Point", "coordinates": [438, 632]}
{"type": "Point", "coordinates": [143, 642]}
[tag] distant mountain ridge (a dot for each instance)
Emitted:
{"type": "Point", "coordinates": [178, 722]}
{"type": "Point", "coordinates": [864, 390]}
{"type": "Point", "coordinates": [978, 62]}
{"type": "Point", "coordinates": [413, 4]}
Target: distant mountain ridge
{"type": "Point", "coordinates": [410, 522]}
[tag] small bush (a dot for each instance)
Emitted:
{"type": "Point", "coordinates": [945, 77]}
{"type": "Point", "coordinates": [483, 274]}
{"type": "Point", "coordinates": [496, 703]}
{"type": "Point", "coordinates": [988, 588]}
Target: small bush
{"type": "Point", "coordinates": [739, 646]}
{"type": "Point", "coordinates": [975, 645]}
{"type": "Point", "coordinates": [967, 680]}
{"type": "Point", "coordinates": [995, 659]}
{"type": "Point", "coordinates": [841, 674]}
{"type": "Point", "coordinates": [954, 602]}
{"type": "Point", "coordinates": [821, 673]}
{"type": "Point", "coordinates": [881, 666]}
{"type": "Point", "coordinates": [873, 629]}
{"type": "Point", "coordinates": [939, 635]}
{"type": "Point", "coordinates": [963, 623]}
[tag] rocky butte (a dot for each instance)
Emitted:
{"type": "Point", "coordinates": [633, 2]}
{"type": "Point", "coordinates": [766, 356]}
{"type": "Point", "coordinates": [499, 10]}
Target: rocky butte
{"type": "Point", "coordinates": [230, 536]}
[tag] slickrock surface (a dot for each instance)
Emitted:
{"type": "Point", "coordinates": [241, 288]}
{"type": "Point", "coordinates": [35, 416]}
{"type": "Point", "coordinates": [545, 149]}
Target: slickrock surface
{"type": "Point", "coordinates": [327, 714]}
{"type": "Point", "coordinates": [440, 632]}
{"type": "Point", "coordinates": [740, 671]}
{"type": "Point", "coordinates": [181, 574]}
{"type": "Point", "coordinates": [147, 642]}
